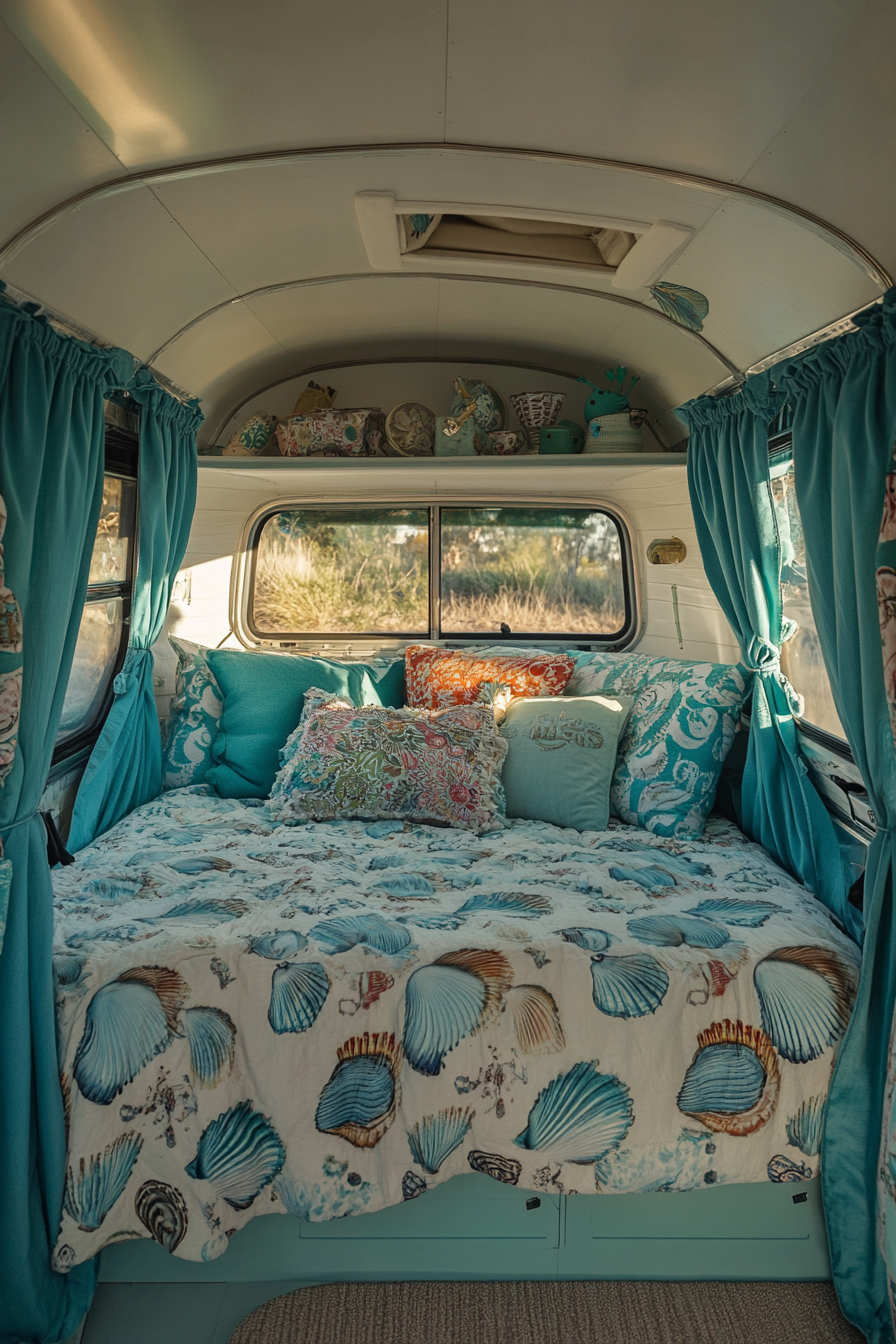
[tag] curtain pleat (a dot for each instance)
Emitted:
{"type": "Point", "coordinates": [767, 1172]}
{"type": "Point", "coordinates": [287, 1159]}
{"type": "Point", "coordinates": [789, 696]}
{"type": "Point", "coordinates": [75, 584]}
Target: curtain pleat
{"type": "Point", "coordinates": [51, 478]}
{"type": "Point", "coordinates": [734, 515]}
{"type": "Point", "coordinates": [843, 396]}
{"type": "Point", "coordinates": [125, 766]}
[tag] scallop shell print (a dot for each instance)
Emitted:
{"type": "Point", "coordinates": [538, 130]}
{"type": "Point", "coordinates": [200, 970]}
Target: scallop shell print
{"type": "Point", "coordinates": [580, 1116]}
{"type": "Point", "coordinates": [805, 995]}
{"type": "Point", "coordinates": [339, 935]}
{"type": "Point", "coordinates": [211, 1036]}
{"type": "Point", "coordinates": [129, 1021]}
{"type": "Point", "coordinates": [91, 1191]}
{"type": "Point", "coordinates": [528, 904]}
{"type": "Point", "coordinates": [448, 1000]}
{"type": "Point", "coordinates": [732, 1083]}
{"type": "Point", "coordinates": [163, 1212]}
{"type": "Point", "coordinates": [204, 911]}
{"type": "Point", "coordinates": [360, 1100]}
{"type": "Point", "coordinates": [535, 1019]}
{"type": "Point", "coordinates": [239, 1154]}
{"type": "Point", "coordinates": [804, 1130]}
{"type": "Point", "coordinates": [435, 1137]}
{"type": "Point", "coordinates": [742, 914]}
{"type": "Point", "coordinates": [673, 930]}
{"type": "Point", "coordinates": [298, 992]}
{"type": "Point", "coordinates": [628, 986]}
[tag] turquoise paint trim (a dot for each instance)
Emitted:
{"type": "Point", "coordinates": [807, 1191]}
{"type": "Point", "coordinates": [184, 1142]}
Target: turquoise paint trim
{"type": "Point", "coordinates": [469, 1229]}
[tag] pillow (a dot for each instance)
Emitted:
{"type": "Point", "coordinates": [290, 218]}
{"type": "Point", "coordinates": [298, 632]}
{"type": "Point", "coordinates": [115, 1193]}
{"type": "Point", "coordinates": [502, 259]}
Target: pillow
{"type": "Point", "coordinates": [438, 678]}
{"type": "Point", "coordinates": [263, 698]}
{"type": "Point", "coordinates": [560, 759]}
{"type": "Point", "coordinates": [193, 715]}
{"type": "Point", "coordinates": [395, 764]}
{"type": "Point", "coordinates": [677, 737]}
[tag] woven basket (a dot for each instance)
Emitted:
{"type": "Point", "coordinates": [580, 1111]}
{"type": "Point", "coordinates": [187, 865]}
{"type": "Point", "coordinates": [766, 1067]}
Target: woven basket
{"type": "Point", "coordinates": [616, 435]}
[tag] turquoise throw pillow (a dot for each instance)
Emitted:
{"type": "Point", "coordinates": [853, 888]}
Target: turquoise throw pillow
{"type": "Point", "coordinates": [560, 758]}
{"type": "Point", "coordinates": [678, 734]}
{"type": "Point", "coordinates": [191, 727]}
{"type": "Point", "coordinates": [264, 694]}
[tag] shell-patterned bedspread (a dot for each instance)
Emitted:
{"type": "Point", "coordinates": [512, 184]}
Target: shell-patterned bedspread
{"type": "Point", "coordinates": [327, 1019]}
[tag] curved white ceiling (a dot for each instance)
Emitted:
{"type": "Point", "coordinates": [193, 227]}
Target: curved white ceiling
{"type": "Point", "coordinates": [232, 275]}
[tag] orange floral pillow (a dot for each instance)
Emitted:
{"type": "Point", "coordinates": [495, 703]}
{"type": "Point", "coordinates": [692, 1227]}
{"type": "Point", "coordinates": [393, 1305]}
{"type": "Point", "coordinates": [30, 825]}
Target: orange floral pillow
{"type": "Point", "coordinates": [440, 678]}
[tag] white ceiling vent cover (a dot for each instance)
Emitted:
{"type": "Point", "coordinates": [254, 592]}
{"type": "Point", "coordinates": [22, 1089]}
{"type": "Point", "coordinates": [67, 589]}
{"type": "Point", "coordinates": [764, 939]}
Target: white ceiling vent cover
{"type": "Point", "coordinates": [380, 218]}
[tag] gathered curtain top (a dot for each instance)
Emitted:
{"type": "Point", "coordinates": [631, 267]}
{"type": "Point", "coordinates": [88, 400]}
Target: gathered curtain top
{"type": "Point", "coordinates": [766, 393]}
{"type": "Point", "coordinates": [114, 369]}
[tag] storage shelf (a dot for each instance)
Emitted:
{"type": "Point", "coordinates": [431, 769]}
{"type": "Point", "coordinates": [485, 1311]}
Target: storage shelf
{"type": "Point", "coordinates": [529, 462]}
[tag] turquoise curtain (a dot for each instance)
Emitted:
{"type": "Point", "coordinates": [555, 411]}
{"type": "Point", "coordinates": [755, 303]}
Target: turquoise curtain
{"type": "Point", "coordinates": [734, 514]}
{"type": "Point", "coordinates": [843, 396]}
{"type": "Point", "coordinates": [125, 767]}
{"type": "Point", "coordinates": [51, 477]}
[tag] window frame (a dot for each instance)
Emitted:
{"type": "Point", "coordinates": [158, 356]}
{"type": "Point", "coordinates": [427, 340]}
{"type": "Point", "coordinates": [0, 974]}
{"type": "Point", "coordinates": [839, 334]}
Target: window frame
{"type": "Point", "coordinates": [243, 576]}
{"type": "Point", "coordinates": [121, 460]}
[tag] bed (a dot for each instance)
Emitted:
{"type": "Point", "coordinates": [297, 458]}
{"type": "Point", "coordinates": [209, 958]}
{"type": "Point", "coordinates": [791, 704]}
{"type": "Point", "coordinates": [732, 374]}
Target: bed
{"type": "Point", "coordinates": [330, 1019]}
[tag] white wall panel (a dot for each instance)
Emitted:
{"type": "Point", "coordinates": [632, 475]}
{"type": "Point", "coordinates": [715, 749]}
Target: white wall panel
{"type": "Point", "coordinates": [654, 499]}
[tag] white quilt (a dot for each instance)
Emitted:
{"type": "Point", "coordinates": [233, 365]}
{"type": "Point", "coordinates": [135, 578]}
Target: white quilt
{"type": "Point", "coordinates": [328, 1019]}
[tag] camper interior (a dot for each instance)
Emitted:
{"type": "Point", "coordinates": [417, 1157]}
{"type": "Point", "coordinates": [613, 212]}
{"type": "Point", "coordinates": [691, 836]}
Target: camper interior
{"type": "Point", "coordinates": [447, 672]}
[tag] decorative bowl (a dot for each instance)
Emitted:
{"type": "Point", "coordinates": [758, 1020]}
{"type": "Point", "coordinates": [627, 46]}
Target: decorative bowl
{"type": "Point", "coordinates": [505, 442]}
{"type": "Point", "coordinates": [411, 429]}
{"type": "Point", "coordinates": [491, 408]}
{"type": "Point", "coordinates": [558, 439]}
{"type": "Point", "coordinates": [536, 409]}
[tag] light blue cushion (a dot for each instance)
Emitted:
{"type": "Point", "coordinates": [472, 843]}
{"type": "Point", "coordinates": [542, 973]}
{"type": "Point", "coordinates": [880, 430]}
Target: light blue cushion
{"type": "Point", "coordinates": [264, 694]}
{"type": "Point", "coordinates": [560, 759]}
{"type": "Point", "coordinates": [192, 723]}
{"type": "Point", "coordinates": [678, 734]}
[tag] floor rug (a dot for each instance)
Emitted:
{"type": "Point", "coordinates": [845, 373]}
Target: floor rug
{"type": "Point", "coordinates": [551, 1313]}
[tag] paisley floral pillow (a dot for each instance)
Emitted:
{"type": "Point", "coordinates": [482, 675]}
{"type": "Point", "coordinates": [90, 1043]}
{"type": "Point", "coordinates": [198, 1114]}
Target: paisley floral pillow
{"type": "Point", "coordinates": [395, 764]}
{"type": "Point", "coordinates": [437, 678]}
{"type": "Point", "coordinates": [193, 717]}
{"type": "Point", "coordinates": [678, 735]}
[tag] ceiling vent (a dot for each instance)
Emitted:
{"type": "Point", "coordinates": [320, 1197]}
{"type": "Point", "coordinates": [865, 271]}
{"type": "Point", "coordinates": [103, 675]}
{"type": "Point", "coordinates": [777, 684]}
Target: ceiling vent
{"type": "Point", "coordinates": [413, 235]}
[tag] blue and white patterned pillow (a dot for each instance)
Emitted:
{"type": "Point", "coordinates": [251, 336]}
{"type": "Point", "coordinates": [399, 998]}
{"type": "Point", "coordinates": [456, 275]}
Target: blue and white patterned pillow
{"type": "Point", "coordinates": [678, 735]}
{"type": "Point", "coordinates": [192, 724]}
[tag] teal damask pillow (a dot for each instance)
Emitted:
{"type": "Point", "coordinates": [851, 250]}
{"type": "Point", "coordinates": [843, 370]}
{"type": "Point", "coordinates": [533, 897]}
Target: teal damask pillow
{"type": "Point", "coordinates": [678, 734]}
{"type": "Point", "coordinates": [264, 694]}
{"type": "Point", "coordinates": [560, 759]}
{"type": "Point", "coordinates": [191, 727]}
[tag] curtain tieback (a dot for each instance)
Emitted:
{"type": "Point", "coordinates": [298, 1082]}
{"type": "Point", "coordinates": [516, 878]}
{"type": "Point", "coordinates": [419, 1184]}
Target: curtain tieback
{"type": "Point", "coordinates": [764, 658]}
{"type": "Point", "coordinates": [21, 822]}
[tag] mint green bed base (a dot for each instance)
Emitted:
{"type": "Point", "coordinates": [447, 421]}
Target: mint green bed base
{"type": "Point", "coordinates": [473, 1228]}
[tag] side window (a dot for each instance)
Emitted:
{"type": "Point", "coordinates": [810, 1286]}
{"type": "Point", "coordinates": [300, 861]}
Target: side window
{"type": "Point", "coordinates": [801, 657]}
{"type": "Point", "coordinates": [532, 571]}
{"type": "Point", "coordinates": [103, 635]}
{"type": "Point", "coordinates": [485, 572]}
{"type": "Point", "coordinates": [341, 572]}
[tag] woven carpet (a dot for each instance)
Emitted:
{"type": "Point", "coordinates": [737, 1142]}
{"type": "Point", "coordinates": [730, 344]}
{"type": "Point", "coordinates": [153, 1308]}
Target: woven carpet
{"type": "Point", "coordinates": [551, 1313]}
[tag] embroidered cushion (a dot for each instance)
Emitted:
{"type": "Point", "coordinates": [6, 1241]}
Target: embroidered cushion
{"type": "Point", "coordinates": [560, 759]}
{"type": "Point", "coordinates": [395, 764]}
{"type": "Point", "coordinates": [678, 734]}
{"type": "Point", "coordinates": [191, 727]}
{"type": "Point", "coordinates": [263, 698]}
{"type": "Point", "coordinates": [438, 678]}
